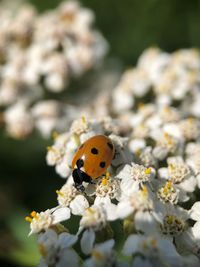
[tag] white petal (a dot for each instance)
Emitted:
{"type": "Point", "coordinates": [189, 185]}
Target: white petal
{"type": "Point", "coordinates": [188, 185]}
{"type": "Point", "coordinates": [195, 211]}
{"type": "Point", "coordinates": [124, 209]}
{"type": "Point", "coordinates": [79, 205]}
{"type": "Point", "coordinates": [63, 169]}
{"type": "Point", "coordinates": [196, 230]}
{"type": "Point", "coordinates": [106, 246]}
{"type": "Point", "coordinates": [169, 252]}
{"type": "Point", "coordinates": [102, 200]}
{"type": "Point", "coordinates": [67, 240]}
{"type": "Point", "coordinates": [61, 214]}
{"type": "Point", "coordinates": [68, 258]}
{"type": "Point", "coordinates": [131, 245]}
{"type": "Point", "coordinates": [145, 222]}
{"type": "Point", "coordinates": [89, 263]}
{"type": "Point", "coordinates": [125, 172]}
{"type": "Point", "coordinates": [87, 241]}
{"type": "Point", "coordinates": [111, 210]}
{"type": "Point", "coordinates": [138, 261]}
{"type": "Point", "coordinates": [129, 186]}
{"type": "Point", "coordinates": [163, 173]}
{"type": "Point", "coordinates": [48, 237]}
{"type": "Point", "coordinates": [137, 144]}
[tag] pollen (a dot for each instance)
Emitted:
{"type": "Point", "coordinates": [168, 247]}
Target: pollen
{"type": "Point", "coordinates": [147, 171]}
{"type": "Point", "coordinates": [90, 210]}
{"type": "Point", "coordinates": [170, 219]}
{"type": "Point", "coordinates": [28, 219]}
{"type": "Point", "coordinates": [168, 138]}
{"type": "Point", "coordinates": [33, 214]}
{"type": "Point", "coordinates": [83, 120]}
{"type": "Point", "coordinates": [141, 106]}
{"type": "Point", "coordinates": [166, 109]}
{"type": "Point", "coordinates": [104, 181]}
{"type": "Point", "coordinates": [97, 255]}
{"type": "Point", "coordinates": [144, 192]}
{"type": "Point", "coordinates": [58, 192]}
{"type": "Point", "coordinates": [107, 175]}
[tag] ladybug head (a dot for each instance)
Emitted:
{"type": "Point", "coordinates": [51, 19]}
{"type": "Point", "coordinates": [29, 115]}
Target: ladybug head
{"type": "Point", "coordinates": [79, 177]}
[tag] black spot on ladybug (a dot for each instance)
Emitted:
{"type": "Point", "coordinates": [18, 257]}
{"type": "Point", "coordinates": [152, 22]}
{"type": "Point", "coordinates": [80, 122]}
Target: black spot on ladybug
{"type": "Point", "coordinates": [102, 164]}
{"type": "Point", "coordinates": [79, 163]}
{"type": "Point", "coordinates": [94, 151]}
{"type": "Point", "coordinates": [110, 145]}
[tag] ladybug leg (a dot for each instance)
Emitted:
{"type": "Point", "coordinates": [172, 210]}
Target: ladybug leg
{"type": "Point", "coordinates": [78, 180]}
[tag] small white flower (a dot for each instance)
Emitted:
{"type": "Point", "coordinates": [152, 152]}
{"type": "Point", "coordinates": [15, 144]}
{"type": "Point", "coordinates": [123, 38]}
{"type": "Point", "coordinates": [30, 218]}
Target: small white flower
{"type": "Point", "coordinates": [168, 193]}
{"type": "Point", "coordinates": [165, 144]}
{"type": "Point", "coordinates": [94, 217]}
{"type": "Point", "coordinates": [68, 196]}
{"type": "Point", "coordinates": [141, 205]}
{"type": "Point", "coordinates": [19, 122]}
{"type": "Point", "coordinates": [146, 157]}
{"type": "Point", "coordinates": [190, 128]}
{"type": "Point", "coordinates": [56, 249]}
{"type": "Point", "coordinates": [179, 173]}
{"type": "Point", "coordinates": [45, 219]}
{"type": "Point", "coordinates": [108, 187]}
{"type": "Point", "coordinates": [134, 175]}
{"type": "Point", "coordinates": [173, 220]}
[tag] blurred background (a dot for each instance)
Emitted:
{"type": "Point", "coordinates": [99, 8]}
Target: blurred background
{"type": "Point", "coordinates": [26, 182]}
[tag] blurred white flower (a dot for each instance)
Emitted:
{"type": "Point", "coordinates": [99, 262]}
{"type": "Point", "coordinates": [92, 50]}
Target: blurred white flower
{"type": "Point", "coordinates": [56, 249]}
{"type": "Point", "coordinates": [101, 255]}
{"type": "Point", "coordinates": [154, 251]}
{"type": "Point", "coordinates": [42, 52]}
{"type": "Point", "coordinates": [19, 123]}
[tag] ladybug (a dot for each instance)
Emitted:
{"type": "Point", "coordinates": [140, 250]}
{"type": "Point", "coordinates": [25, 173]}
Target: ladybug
{"type": "Point", "coordinates": [92, 159]}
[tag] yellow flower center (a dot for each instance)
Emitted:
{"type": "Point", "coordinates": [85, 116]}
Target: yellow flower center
{"type": "Point", "coordinates": [97, 254]}
{"type": "Point", "coordinates": [147, 171]}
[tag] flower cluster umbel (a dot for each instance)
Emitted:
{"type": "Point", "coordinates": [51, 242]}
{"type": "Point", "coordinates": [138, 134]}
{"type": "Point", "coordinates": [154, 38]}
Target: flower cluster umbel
{"type": "Point", "coordinates": [135, 214]}
{"type": "Point", "coordinates": [41, 53]}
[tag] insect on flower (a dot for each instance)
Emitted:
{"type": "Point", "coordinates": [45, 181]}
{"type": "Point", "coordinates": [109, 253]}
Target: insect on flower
{"type": "Point", "coordinates": [92, 159]}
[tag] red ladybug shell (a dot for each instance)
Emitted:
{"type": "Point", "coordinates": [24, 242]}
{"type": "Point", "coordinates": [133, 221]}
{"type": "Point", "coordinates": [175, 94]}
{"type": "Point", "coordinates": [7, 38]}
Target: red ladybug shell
{"type": "Point", "coordinates": [96, 153]}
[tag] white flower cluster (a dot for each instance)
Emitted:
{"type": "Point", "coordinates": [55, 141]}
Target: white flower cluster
{"type": "Point", "coordinates": [41, 53]}
{"type": "Point", "coordinates": [144, 211]}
